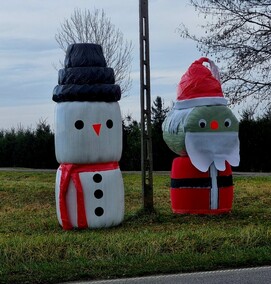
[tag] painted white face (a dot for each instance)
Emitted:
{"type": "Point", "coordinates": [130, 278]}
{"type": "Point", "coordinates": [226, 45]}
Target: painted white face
{"type": "Point", "coordinates": [88, 132]}
{"type": "Point", "coordinates": [212, 137]}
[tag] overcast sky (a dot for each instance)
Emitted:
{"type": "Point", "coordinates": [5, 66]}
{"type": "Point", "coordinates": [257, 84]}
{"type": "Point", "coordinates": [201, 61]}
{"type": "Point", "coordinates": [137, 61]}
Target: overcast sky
{"type": "Point", "coordinates": [28, 51]}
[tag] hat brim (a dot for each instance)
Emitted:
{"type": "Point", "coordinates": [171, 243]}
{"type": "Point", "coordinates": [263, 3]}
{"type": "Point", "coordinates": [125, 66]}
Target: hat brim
{"type": "Point", "coordinates": [206, 101]}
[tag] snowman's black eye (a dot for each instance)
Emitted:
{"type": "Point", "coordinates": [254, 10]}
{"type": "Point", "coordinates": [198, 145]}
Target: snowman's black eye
{"type": "Point", "coordinates": [109, 123]}
{"type": "Point", "coordinates": [202, 123]}
{"type": "Point", "coordinates": [79, 124]}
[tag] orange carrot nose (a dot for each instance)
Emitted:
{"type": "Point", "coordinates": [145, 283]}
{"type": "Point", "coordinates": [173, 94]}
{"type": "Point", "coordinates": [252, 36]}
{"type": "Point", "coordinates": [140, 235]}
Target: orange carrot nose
{"type": "Point", "coordinates": [214, 124]}
{"type": "Point", "coordinates": [97, 128]}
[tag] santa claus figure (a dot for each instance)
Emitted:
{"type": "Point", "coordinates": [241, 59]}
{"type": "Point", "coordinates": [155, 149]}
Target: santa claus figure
{"type": "Point", "coordinates": [88, 141]}
{"type": "Point", "coordinates": [204, 132]}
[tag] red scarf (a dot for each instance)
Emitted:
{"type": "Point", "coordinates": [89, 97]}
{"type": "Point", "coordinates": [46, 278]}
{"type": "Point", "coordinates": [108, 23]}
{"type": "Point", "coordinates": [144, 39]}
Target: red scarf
{"type": "Point", "coordinates": [71, 171]}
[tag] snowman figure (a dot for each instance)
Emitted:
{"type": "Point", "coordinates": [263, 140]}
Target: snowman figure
{"type": "Point", "coordinates": [88, 141]}
{"type": "Point", "coordinates": [204, 132]}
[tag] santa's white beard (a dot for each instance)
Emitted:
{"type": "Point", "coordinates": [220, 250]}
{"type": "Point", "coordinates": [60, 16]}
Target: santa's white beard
{"type": "Point", "coordinates": [206, 148]}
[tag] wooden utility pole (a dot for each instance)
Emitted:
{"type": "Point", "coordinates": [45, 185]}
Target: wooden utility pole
{"type": "Point", "coordinates": [145, 100]}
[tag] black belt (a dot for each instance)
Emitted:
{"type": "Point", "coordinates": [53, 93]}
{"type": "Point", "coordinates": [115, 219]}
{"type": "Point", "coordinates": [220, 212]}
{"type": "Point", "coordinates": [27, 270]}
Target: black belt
{"type": "Point", "coordinates": [222, 181]}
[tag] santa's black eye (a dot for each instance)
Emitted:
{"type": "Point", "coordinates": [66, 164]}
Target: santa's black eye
{"type": "Point", "coordinates": [79, 124]}
{"type": "Point", "coordinates": [109, 123]}
{"type": "Point", "coordinates": [202, 123]}
{"type": "Point", "coordinates": [227, 122]}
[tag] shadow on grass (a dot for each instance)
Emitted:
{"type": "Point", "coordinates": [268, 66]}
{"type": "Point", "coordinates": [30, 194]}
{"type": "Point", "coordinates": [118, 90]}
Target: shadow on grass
{"type": "Point", "coordinates": [237, 217]}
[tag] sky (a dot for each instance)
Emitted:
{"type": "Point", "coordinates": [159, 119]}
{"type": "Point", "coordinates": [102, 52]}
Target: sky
{"type": "Point", "coordinates": [29, 53]}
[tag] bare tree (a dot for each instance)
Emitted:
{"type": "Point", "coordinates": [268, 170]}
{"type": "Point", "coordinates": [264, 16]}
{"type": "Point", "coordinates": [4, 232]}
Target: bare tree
{"type": "Point", "coordinates": [238, 35]}
{"type": "Point", "coordinates": [95, 27]}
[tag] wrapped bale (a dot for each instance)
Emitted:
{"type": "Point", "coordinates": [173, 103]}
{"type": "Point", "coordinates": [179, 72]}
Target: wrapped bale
{"type": "Point", "coordinates": [88, 141]}
{"type": "Point", "coordinates": [204, 132]}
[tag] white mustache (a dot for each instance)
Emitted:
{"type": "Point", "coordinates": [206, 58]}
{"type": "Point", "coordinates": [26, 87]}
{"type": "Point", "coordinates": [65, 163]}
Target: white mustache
{"type": "Point", "coordinates": [206, 148]}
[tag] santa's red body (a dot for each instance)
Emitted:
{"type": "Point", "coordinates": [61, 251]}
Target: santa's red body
{"type": "Point", "coordinates": [191, 189]}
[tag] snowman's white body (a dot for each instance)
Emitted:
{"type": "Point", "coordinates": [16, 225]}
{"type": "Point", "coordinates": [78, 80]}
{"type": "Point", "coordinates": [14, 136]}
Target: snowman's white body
{"type": "Point", "coordinates": [89, 133]}
{"type": "Point", "coordinates": [104, 201]}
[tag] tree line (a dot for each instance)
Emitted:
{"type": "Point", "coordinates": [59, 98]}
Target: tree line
{"type": "Point", "coordinates": [255, 139]}
{"type": "Point", "coordinates": [35, 148]}
{"type": "Point", "coordinates": [27, 147]}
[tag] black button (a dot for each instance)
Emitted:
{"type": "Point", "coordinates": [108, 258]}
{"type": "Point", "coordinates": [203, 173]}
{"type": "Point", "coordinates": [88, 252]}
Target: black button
{"type": "Point", "coordinates": [99, 211]}
{"type": "Point", "coordinates": [98, 193]}
{"type": "Point", "coordinates": [97, 178]}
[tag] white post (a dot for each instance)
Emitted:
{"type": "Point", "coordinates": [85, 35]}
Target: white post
{"type": "Point", "coordinates": [214, 187]}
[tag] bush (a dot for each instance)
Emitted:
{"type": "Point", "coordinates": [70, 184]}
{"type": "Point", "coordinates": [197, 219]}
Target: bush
{"type": "Point", "coordinates": [27, 147]}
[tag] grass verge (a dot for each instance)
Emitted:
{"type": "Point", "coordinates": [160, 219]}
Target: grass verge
{"type": "Point", "coordinates": [34, 249]}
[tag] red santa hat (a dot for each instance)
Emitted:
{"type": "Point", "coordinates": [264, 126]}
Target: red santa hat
{"type": "Point", "coordinates": [200, 86]}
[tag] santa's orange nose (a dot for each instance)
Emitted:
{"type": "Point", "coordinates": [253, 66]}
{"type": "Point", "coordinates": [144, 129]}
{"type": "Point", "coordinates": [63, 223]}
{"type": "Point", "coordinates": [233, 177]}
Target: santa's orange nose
{"type": "Point", "coordinates": [214, 124]}
{"type": "Point", "coordinates": [97, 128]}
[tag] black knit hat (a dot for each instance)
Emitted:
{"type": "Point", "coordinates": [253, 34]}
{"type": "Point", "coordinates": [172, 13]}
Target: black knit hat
{"type": "Point", "coordinates": [85, 76]}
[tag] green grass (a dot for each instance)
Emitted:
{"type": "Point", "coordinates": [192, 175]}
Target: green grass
{"type": "Point", "coordinates": [34, 249]}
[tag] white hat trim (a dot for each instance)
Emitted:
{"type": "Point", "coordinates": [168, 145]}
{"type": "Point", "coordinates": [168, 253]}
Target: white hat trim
{"type": "Point", "coordinates": [206, 101]}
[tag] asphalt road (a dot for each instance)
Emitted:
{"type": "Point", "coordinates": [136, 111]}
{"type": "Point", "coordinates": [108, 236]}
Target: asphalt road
{"type": "Point", "coordinates": [258, 275]}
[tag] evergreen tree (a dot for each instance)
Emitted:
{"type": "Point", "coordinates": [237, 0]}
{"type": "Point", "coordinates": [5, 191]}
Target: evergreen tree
{"type": "Point", "coordinates": [131, 153]}
{"type": "Point", "coordinates": [159, 113]}
{"type": "Point", "coordinates": [162, 155]}
{"type": "Point", "coordinates": [28, 148]}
